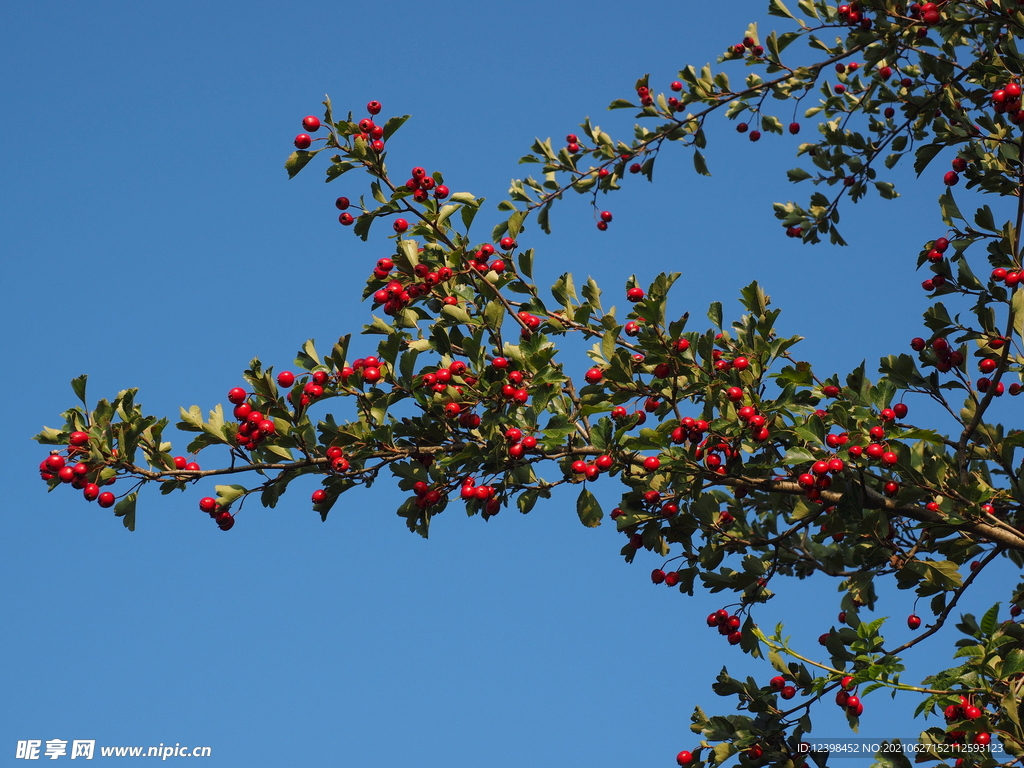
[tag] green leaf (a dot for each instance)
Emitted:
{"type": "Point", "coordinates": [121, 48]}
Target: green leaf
{"type": "Point", "coordinates": [125, 509]}
{"type": "Point", "coordinates": [949, 208]}
{"type": "Point", "coordinates": [226, 494]}
{"type": "Point", "coordinates": [588, 509]}
{"type": "Point", "coordinates": [925, 155]}
{"type": "Point", "coordinates": [715, 314]}
{"type": "Point", "coordinates": [776, 8]}
{"type": "Point", "coordinates": [983, 219]}
{"type": "Point", "coordinates": [78, 385]}
{"type": "Point", "coordinates": [1012, 665]}
{"type": "Point", "coordinates": [990, 620]}
{"type": "Point", "coordinates": [393, 124]}
{"type": "Point", "coordinates": [297, 161]}
{"type": "Point", "coordinates": [307, 357]}
{"type": "Point", "coordinates": [699, 164]}
{"type": "Point", "coordinates": [526, 263]}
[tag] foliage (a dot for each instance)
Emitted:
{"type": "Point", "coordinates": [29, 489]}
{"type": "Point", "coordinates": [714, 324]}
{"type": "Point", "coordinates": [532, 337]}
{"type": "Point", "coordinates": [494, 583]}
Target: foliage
{"type": "Point", "coordinates": [738, 464]}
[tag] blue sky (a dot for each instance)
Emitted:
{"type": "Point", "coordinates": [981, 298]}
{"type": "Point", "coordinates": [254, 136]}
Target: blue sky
{"type": "Point", "coordinates": [152, 239]}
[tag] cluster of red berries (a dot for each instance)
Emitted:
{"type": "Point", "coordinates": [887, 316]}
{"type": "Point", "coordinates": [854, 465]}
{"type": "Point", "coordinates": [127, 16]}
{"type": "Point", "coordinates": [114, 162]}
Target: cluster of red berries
{"type": "Point", "coordinates": [644, 94]}
{"type": "Point", "coordinates": [421, 184]}
{"type": "Point", "coordinates": [818, 478]}
{"type": "Point", "coordinates": [669, 579]}
{"type": "Point", "coordinates": [591, 470]}
{"type": "Point", "coordinates": [927, 12]}
{"type": "Point", "coordinates": [743, 128]}
{"type": "Point", "coordinates": [338, 463]}
{"type": "Point", "coordinates": [740, 49]}
{"type": "Point", "coordinates": [783, 687]}
{"type": "Point", "coordinates": [532, 322]}
{"type": "Point", "coordinates": [1007, 100]}
{"type": "Point", "coordinates": [938, 249]}
{"type": "Point", "coordinates": [311, 124]}
{"type": "Point", "coordinates": [425, 495]}
{"type": "Point", "coordinates": [944, 357]}
{"type": "Point", "coordinates": [253, 426]}
{"type": "Point", "coordinates": [224, 519]}
{"type": "Point", "coordinates": [479, 261]}
{"type": "Point", "coordinates": [485, 493]}
{"type": "Point", "coordinates": [689, 429]}
{"type": "Point", "coordinates": [1010, 277]}
{"type": "Point", "coordinates": [519, 443]}
{"type": "Point", "coordinates": [849, 701]}
{"type": "Point", "coordinates": [395, 295]}
{"type": "Point", "coordinates": [727, 625]}
{"type": "Point", "coordinates": [965, 710]}
{"type": "Point", "coordinates": [952, 178]}
{"type": "Point", "coordinates": [619, 413]}
{"type": "Point", "coordinates": [851, 14]}
{"type": "Point", "coordinates": [80, 475]}
{"type": "Point", "coordinates": [605, 218]}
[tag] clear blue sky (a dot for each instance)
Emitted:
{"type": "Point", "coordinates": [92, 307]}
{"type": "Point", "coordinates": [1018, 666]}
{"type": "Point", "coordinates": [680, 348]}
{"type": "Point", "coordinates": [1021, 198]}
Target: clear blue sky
{"type": "Point", "coordinates": [151, 239]}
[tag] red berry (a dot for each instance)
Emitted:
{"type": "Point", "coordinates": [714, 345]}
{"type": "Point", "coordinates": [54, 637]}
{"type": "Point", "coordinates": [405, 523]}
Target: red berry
{"type": "Point", "coordinates": [285, 378]}
{"type": "Point", "coordinates": [635, 294]}
{"type": "Point", "coordinates": [684, 758]}
{"type": "Point", "coordinates": [594, 375]}
{"type": "Point", "coordinates": [950, 179]}
{"type": "Point", "coordinates": [606, 216]}
{"type": "Point", "coordinates": [794, 128]}
{"type": "Point", "coordinates": [651, 463]}
{"type": "Point", "coordinates": [914, 622]}
{"type": "Point", "coordinates": [236, 395]}
{"type": "Point", "coordinates": [311, 123]}
{"type": "Point", "coordinates": [373, 107]}
{"type": "Point", "coordinates": [303, 140]}
{"type": "Point", "coordinates": [400, 225]}
{"type": "Point", "coordinates": [106, 499]}
{"type": "Point", "coordinates": [319, 495]}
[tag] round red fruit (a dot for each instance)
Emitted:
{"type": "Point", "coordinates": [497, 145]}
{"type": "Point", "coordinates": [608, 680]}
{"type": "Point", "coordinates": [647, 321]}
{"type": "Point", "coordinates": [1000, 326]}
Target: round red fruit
{"type": "Point", "coordinates": [684, 758]}
{"type": "Point", "coordinates": [913, 621]}
{"type": "Point", "coordinates": [400, 225]}
{"type": "Point", "coordinates": [635, 294]}
{"type": "Point", "coordinates": [373, 107]}
{"type": "Point", "coordinates": [311, 123]}
{"type": "Point", "coordinates": [285, 378]}
{"type": "Point", "coordinates": [105, 499]}
{"type": "Point", "coordinates": [651, 463]}
{"type": "Point", "coordinates": [303, 140]}
{"type": "Point", "coordinates": [236, 395]}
